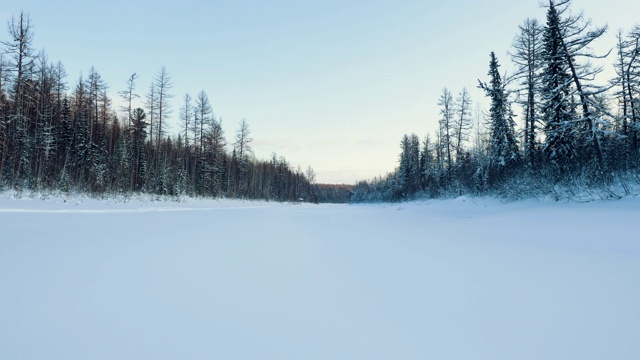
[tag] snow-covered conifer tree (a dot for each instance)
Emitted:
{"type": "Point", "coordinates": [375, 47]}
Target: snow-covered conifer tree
{"type": "Point", "coordinates": [569, 86]}
{"type": "Point", "coordinates": [503, 147]}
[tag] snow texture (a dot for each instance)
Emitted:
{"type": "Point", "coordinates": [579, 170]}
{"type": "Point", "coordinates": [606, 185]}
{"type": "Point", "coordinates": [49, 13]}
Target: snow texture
{"type": "Point", "coordinates": [449, 279]}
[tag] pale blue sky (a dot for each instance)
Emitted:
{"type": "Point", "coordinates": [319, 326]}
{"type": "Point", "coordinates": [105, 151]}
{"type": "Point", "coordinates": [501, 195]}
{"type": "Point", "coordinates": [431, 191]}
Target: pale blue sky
{"type": "Point", "coordinates": [330, 84]}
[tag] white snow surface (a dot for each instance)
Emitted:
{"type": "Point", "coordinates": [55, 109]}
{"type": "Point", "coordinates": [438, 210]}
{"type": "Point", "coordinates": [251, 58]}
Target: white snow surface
{"type": "Point", "coordinates": [219, 279]}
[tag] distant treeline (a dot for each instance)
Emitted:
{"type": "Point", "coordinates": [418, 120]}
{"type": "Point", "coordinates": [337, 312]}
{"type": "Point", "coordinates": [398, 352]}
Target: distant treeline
{"type": "Point", "coordinates": [331, 193]}
{"type": "Point", "coordinates": [576, 131]}
{"type": "Point", "coordinates": [60, 136]}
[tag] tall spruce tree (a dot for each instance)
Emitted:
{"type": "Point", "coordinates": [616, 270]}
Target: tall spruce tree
{"type": "Point", "coordinates": [503, 146]}
{"type": "Point", "coordinates": [570, 87]}
{"type": "Point", "coordinates": [558, 107]}
{"type": "Point", "coordinates": [427, 163]}
{"type": "Point", "coordinates": [138, 157]}
{"type": "Point", "coordinates": [409, 170]}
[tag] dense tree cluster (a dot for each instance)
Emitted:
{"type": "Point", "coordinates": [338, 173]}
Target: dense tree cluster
{"type": "Point", "coordinates": [332, 193]}
{"type": "Point", "coordinates": [60, 136]}
{"type": "Point", "coordinates": [575, 128]}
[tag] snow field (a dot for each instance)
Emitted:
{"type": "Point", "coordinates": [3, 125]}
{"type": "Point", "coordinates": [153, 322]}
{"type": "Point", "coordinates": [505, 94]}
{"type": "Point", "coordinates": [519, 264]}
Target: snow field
{"type": "Point", "coordinates": [451, 279]}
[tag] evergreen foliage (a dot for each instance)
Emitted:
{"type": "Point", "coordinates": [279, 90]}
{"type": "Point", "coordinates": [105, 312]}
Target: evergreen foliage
{"type": "Point", "coordinates": [51, 139]}
{"type": "Point", "coordinates": [58, 136]}
{"type": "Point", "coordinates": [503, 148]}
{"type": "Point", "coordinates": [583, 144]}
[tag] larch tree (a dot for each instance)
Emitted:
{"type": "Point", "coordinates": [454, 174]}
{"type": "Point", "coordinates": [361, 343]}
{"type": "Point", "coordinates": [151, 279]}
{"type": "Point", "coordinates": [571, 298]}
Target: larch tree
{"type": "Point", "coordinates": [96, 158]}
{"type": "Point", "coordinates": [22, 57]}
{"type": "Point", "coordinates": [628, 81]}
{"type": "Point", "coordinates": [53, 138]}
{"type": "Point", "coordinates": [150, 102]}
{"type": "Point", "coordinates": [95, 87]}
{"type": "Point", "coordinates": [44, 131]}
{"type": "Point", "coordinates": [60, 88]}
{"type": "Point", "coordinates": [242, 148]}
{"type": "Point", "coordinates": [462, 121]}
{"type": "Point", "coordinates": [202, 120]}
{"type": "Point", "coordinates": [163, 86]}
{"type": "Point", "coordinates": [214, 149]}
{"type": "Point", "coordinates": [446, 127]}
{"type": "Point", "coordinates": [4, 73]}
{"type": "Point", "coordinates": [189, 130]}
{"type": "Point", "coordinates": [186, 119]}
{"type": "Point", "coordinates": [21, 65]}
{"type": "Point", "coordinates": [203, 114]}
{"type": "Point", "coordinates": [4, 116]}
{"type": "Point", "coordinates": [128, 95]}
{"type": "Point", "coordinates": [527, 56]}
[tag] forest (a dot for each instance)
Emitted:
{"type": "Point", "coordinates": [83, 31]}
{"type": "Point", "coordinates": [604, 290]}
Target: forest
{"type": "Point", "coordinates": [57, 136]}
{"type": "Point", "coordinates": [578, 131]}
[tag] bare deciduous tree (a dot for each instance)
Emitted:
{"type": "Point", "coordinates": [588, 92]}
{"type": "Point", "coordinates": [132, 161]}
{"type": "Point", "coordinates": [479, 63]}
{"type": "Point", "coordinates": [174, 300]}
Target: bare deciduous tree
{"type": "Point", "coordinates": [527, 57]}
{"type": "Point", "coordinates": [163, 87]}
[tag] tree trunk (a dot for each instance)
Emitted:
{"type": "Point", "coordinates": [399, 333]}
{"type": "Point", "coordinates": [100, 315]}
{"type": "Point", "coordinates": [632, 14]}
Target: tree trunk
{"type": "Point", "coordinates": [586, 113]}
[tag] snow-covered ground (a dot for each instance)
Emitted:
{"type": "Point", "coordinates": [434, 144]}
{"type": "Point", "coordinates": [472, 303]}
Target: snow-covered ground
{"type": "Point", "coordinates": [451, 279]}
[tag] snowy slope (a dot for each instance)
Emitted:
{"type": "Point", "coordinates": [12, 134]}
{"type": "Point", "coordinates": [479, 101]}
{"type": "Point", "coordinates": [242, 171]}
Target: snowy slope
{"type": "Point", "coordinates": [457, 279]}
